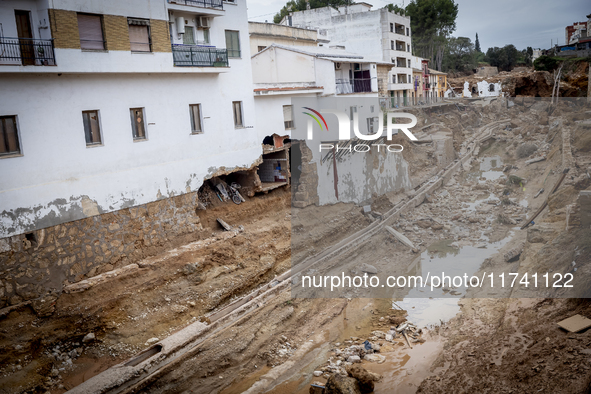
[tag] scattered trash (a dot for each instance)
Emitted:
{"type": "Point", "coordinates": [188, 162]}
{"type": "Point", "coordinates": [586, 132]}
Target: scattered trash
{"type": "Point", "coordinates": [400, 237]}
{"type": "Point", "coordinates": [539, 192]}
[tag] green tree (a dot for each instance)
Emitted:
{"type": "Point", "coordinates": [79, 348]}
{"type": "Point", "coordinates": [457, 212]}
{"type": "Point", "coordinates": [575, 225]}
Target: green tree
{"type": "Point", "coordinates": [432, 22]}
{"type": "Point", "coordinates": [477, 44]}
{"type": "Point", "coordinates": [394, 8]}
{"type": "Point", "coordinates": [459, 55]}
{"type": "Point", "coordinates": [504, 58]}
{"type": "Point", "coordinates": [300, 5]}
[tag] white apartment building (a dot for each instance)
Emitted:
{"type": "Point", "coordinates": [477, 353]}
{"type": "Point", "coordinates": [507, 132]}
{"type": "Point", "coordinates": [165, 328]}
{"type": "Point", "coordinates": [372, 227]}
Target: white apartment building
{"type": "Point", "coordinates": [108, 109]}
{"type": "Point", "coordinates": [378, 35]}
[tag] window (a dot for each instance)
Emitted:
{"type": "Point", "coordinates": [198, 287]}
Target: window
{"type": "Point", "coordinates": [206, 36]}
{"type": "Point", "coordinates": [189, 37]}
{"type": "Point", "coordinates": [288, 117]}
{"type": "Point", "coordinates": [137, 123]}
{"type": "Point", "coordinates": [90, 29]}
{"type": "Point", "coordinates": [392, 47]}
{"type": "Point", "coordinates": [391, 27]}
{"type": "Point", "coordinates": [195, 110]}
{"type": "Point", "coordinates": [371, 124]}
{"type": "Point", "coordinates": [8, 136]}
{"type": "Point", "coordinates": [408, 62]}
{"type": "Point", "coordinates": [261, 47]}
{"type": "Point", "coordinates": [139, 35]}
{"type": "Point", "coordinates": [233, 43]}
{"type": "Point", "coordinates": [353, 110]}
{"type": "Point", "coordinates": [393, 78]}
{"type": "Point", "coordinates": [237, 109]}
{"type": "Point", "coordinates": [407, 47]}
{"type": "Point", "coordinates": [92, 129]}
{"type": "Point", "coordinates": [407, 31]}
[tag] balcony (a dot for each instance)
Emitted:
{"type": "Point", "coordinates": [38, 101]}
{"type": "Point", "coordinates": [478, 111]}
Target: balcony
{"type": "Point", "coordinates": [26, 52]}
{"type": "Point", "coordinates": [197, 56]}
{"type": "Point", "coordinates": [217, 4]}
{"type": "Point", "coordinates": [347, 86]}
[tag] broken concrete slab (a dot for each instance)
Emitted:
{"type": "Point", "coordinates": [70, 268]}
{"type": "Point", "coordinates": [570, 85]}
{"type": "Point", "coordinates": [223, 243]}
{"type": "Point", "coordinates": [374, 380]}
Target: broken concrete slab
{"type": "Point", "coordinates": [535, 160]}
{"type": "Point", "coordinates": [400, 237]}
{"type": "Point", "coordinates": [575, 323]}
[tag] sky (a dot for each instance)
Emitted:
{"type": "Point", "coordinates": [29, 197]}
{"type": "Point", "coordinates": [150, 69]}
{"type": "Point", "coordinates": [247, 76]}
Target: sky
{"type": "Point", "coordinates": [522, 23]}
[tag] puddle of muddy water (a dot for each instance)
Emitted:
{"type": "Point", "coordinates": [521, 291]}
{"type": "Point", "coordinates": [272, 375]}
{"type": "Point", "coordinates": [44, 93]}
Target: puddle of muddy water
{"type": "Point", "coordinates": [442, 257]}
{"type": "Point", "coordinates": [491, 168]}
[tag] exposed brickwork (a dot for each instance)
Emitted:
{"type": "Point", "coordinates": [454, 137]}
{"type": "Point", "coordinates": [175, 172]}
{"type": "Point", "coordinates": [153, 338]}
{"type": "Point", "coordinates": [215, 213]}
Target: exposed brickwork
{"type": "Point", "coordinates": [160, 36]}
{"type": "Point", "coordinates": [42, 263]}
{"type": "Point", "coordinates": [382, 71]}
{"type": "Point", "coordinates": [307, 189]}
{"type": "Point", "coordinates": [64, 28]}
{"type": "Point", "coordinates": [116, 33]}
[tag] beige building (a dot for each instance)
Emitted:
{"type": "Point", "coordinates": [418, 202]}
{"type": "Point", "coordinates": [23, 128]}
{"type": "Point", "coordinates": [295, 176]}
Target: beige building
{"type": "Point", "coordinates": [263, 35]}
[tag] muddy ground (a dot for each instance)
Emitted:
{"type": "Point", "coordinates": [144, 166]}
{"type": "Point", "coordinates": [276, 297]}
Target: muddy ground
{"type": "Point", "coordinates": [470, 344]}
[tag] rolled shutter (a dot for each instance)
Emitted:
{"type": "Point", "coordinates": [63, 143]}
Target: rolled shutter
{"type": "Point", "coordinates": [91, 32]}
{"type": "Point", "coordinates": [139, 38]}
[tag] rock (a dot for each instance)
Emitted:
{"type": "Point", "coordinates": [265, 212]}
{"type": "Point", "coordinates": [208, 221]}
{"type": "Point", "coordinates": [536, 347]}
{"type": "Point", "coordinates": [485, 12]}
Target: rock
{"type": "Point", "coordinates": [375, 358]}
{"type": "Point", "coordinates": [376, 347]}
{"type": "Point", "coordinates": [354, 359]}
{"type": "Point", "coordinates": [45, 306]}
{"type": "Point", "coordinates": [370, 269]}
{"type": "Point", "coordinates": [178, 308]}
{"type": "Point", "coordinates": [513, 254]}
{"type": "Point", "coordinates": [318, 373]}
{"type": "Point", "coordinates": [540, 234]}
{"type": "Point", "coordinates": [389, 337]}
{"type": "Point", "coordinates": [379, 334]}
{"type": "Point", "coordinates": [88, 338]}
{"type": "Point", "coordinates": [151, 341]}
{"type": "Point", "coordinates": [338, 384]}
{"type": "Point", "coordinates": [365, 378]}
{"type": "Point", "coordinates": [190, 268]}
{"type": "Point", "coordinates": [397, 320]}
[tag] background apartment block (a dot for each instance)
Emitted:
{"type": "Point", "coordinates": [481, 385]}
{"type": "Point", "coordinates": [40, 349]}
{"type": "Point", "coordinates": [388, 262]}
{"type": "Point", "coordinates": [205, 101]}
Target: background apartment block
{"type": "Point", "coordinates": [378, 35]}
{"type": "Point", "coordinates": [112, 115]}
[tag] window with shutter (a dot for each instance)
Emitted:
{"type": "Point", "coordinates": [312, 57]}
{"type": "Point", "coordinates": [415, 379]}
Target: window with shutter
{"type": "Point", "coordinates": [195, 111]}
{"type": "Point", "coordinates": [137, 123]}
{"type": "Point", "coordinates": [139, 35]}
{"type": "Point", "coordinates": [90, 29]}
{"type": "Point", "coordinates": [8, 136]}
{"type": "Point", "coordinates": [237, 109]}
{"type": "Point", "coordinates": [288, 117]}
{"type": "Point", "coordinates": [92, 130]}
{"type": "Point", "coordinates": [233, 43]}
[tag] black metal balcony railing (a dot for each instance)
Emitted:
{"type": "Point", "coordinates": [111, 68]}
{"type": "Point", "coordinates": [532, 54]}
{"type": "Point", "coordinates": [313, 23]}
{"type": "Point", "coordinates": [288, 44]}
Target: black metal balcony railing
{"type": "Point", "coordinates": [361, 85]}
{"type": "Point", "coordinates": [200, 3]}
{"type": "Point", "coordinates": [27, 51]}
{"type": "Point", "coordinates": [195, 56]}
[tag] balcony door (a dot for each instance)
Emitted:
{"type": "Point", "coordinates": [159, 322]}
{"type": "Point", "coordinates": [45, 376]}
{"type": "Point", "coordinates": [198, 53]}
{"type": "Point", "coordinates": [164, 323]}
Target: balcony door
{"type": "Point", "coordinates": [25, 36]}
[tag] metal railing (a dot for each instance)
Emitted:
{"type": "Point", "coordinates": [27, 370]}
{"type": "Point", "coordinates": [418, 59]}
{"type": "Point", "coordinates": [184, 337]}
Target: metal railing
{"type": "Point", "coordinates": [27, 51]}
{"type": "Point", "coordinates": [345, 86]}
{"type": "Point", "coordinates": [200, 3]}
{"type": "Point", "coordinates": [400, 102]}
{"type": "Point", "coordinates": [195, 56]}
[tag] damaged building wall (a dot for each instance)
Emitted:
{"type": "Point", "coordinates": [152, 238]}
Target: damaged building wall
{"type": "Point", "coordinates": [41, 262]}
{"type": "Point", "coordinates": [75, 181]}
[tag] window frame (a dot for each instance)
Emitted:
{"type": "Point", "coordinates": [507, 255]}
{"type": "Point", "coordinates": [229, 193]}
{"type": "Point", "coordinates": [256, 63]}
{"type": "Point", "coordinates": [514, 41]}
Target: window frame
{"type": "Point", "coordinates": [102, 23]}
{"type": "Point", "coordinates": [236, 124]}
{"type": "Point", "coordinates": [285, 122]}
{"type": "Point", "coordinates": [192, 118]}
{"type": "Point", "coordinates": [16, 153]}
{"type": "Point", "coordinates": [100, 128]}
{"type": "Point", "coordinates": [133, 124]}
{"type": "Point", "coordinates": [232, 52]}
{"type": "Point", "coordinates": [148, 27]}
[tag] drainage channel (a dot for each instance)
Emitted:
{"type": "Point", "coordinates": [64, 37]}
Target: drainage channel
{"type": "Point", "coordinates": [148, 366]}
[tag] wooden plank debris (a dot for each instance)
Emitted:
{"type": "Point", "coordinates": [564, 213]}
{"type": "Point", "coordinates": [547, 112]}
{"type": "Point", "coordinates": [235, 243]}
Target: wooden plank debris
{"type": "Point", "coordinates": [535, 160]}
{"type": "Point", "coordinates": [575, 323]}
{"type": "Point", "coordinates": [400, 237]}
{"type": "Point", "coordinates": [225, 225]}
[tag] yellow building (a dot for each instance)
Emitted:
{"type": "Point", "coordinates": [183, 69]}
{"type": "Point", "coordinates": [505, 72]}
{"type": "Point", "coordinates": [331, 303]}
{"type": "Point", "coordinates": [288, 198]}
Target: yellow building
{"type": "Point", "coordinates": [264, 34]}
